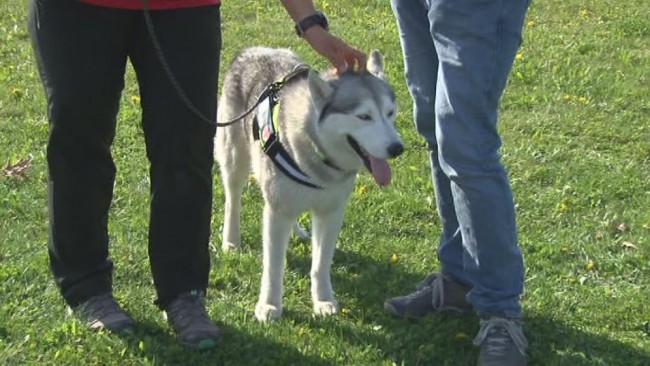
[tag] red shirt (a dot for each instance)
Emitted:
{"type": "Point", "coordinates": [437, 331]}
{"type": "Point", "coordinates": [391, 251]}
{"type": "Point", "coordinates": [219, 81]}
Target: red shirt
{"type": "Point", "coordinates": [152, 4]}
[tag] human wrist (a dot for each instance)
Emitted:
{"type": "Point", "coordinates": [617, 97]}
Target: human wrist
{"type": "Point", "coordinates": [314, 34]}
{"type": "Point", "coordinates": [313, 21]}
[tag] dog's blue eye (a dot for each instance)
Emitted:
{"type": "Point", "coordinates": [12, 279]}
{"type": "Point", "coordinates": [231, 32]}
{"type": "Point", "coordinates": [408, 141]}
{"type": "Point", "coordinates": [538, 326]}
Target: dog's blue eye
{"type": "Point", "coordinates": [364, 117]}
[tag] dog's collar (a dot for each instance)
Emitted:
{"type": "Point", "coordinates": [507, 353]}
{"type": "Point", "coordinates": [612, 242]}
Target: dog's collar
{"type": "Point", "coordinates": [323, 157]}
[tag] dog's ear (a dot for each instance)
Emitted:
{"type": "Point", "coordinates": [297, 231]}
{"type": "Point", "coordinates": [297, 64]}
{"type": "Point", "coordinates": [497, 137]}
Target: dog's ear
{"type": "Point", "coordinates": [320, 89]}
{"type": "Point", "coordinates": [375, 64]}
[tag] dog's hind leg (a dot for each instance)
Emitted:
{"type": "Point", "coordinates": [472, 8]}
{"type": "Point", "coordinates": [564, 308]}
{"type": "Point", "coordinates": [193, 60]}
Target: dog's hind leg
{"type": "Point", "coordinates": [234, 164]}
{"type": "Point", "coordinates": [231, 234]}
{"type": "Point", "coordinates": [326, 228]}
{"type": "Point", "coordinates": [276, 232]}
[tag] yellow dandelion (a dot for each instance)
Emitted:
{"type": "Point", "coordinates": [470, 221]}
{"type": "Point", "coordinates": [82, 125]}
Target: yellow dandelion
{"type": "Point", "coordinates": [590, 265]}
{"type": "Point", "coordinates": [530, 23]}
{"type": "Point", "coordinates": [394, 258]}
{"type": "Point", "coordinates": [583, 99]}
{"type": "Point", "coordinates": [567, 97]}
{"type": "Point", "coordinates": [583, 13]}
{"type": "Point", "coordinates": [17, 93]}
{"type": "Point", "coordinates": [135, 99]}
{"type": "Point", "coordinates": [519, 56]}
{"type": "Point", "coordinates": [562, 207]}
{"type": "Point", "coordinates": [564, 250]}
{"type": "Point", "coordinates": [346, 311]}
{"type": "Point", "coordinates": [362, 190]}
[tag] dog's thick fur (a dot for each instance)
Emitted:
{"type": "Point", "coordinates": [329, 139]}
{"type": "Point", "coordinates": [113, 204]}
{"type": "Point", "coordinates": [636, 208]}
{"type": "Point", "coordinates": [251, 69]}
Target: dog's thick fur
{"type": "Point", "coordinates": [318, 117]}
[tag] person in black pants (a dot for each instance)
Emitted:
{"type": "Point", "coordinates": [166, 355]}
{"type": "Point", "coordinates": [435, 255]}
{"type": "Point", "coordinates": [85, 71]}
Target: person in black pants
{"type": "Point", "coordinates": [81, 48]}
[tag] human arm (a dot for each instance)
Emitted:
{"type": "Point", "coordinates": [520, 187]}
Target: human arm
{"type": "Point", "coordinates": [341, 55]}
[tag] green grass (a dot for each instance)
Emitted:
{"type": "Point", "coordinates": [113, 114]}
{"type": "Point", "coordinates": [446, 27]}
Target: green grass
{"type": "Point", "coordinates": [575, 120]}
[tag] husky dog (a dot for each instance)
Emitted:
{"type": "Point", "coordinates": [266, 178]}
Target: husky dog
{"type": "Point", "coordinates": [331, 127]}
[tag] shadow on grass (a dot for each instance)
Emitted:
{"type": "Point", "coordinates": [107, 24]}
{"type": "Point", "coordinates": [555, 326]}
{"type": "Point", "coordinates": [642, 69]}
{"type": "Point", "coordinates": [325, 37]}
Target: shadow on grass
{"type": "Point", "coordinates": [236, 347]}
{"type": "Point", "coordinates": [365, 283]}
{"type": "Point", "coordinates": [554, 342]}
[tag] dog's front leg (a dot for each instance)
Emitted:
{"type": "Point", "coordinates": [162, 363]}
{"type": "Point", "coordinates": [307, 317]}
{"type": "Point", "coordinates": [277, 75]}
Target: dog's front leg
{"type": "Point", "coordinates": [275, 237]}
{"type": "Point", "coordinates": [326, 229]}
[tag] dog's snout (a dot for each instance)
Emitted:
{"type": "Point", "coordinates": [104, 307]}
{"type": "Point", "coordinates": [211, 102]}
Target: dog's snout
{"type": "Point", "coordinates": [395, 150]}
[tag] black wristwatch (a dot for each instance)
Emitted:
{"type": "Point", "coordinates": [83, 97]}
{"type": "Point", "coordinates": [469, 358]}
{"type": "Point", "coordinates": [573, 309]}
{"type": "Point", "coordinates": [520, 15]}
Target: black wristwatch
{"type": "Point", "coordinates": [318, 18]}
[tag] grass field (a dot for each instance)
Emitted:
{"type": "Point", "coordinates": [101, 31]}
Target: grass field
{"type": "Point", "coordinates": [575, 120]}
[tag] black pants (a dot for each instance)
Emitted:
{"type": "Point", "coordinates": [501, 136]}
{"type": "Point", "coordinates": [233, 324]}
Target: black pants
{"type": "Point", "coordinates": [81, 51]}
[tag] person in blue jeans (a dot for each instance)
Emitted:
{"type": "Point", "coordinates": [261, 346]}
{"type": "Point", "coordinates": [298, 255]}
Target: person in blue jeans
{"type": "Point", "coordinates": [457, 57]}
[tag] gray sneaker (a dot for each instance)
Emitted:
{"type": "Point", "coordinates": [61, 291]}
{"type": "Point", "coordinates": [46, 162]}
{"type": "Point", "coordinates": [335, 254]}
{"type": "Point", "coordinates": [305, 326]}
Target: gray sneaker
{"type": "Point", "coordinates": [103, 312]}
{"type": "Point", "coordinates": [189, 319]}
{"type": "Point", "coordinates": [502, 343]}
{"type": "Point", "coordinates": [436, 293]}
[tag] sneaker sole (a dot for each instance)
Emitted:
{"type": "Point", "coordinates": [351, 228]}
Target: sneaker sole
{"type": "Point", "coordinates": [202, 345]}
{"type": "Point", "coordinates": [396, 313]}
{"type": "Point", "coordinates": [448, 309]}
{"type": "Point", "coordinates": [127, 331]}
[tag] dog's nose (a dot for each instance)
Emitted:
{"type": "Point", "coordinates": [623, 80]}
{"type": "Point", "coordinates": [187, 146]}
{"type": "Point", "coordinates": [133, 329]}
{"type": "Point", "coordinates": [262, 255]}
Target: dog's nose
{"type": "Point", "coordinates": [395, 150]}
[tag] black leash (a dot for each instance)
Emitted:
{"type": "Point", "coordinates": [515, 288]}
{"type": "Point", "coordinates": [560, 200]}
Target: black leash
{"type": "Point", "coordinates": [168, 71]}
{"type": "Point", "coordinates": [272, 88]}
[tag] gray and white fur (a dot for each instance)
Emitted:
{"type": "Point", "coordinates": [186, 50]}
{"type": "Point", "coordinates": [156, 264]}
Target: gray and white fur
{"type": "Point", "coordinates": [321, 117]}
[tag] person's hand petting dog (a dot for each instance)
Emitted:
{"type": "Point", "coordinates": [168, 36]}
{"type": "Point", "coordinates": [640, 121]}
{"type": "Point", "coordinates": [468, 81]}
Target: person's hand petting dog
{"type": "Point", "coordinates": [340, 54]}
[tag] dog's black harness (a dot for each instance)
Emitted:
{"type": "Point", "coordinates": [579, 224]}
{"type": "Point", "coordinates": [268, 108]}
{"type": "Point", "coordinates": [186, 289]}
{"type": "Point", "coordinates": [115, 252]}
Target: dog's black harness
{"type": "Point", "coordinates": [265, 129]}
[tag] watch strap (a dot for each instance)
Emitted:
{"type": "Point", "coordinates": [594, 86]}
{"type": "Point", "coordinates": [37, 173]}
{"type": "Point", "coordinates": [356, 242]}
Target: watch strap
{"type": "Point", "coordinates": [318, 18]}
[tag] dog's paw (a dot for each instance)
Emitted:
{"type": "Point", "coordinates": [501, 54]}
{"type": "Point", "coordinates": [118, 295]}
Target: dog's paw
{"type": "Point", "coordinates": [325, 308]}
{"type": "Point", "coordinates": [268, 312]}
{"type": "Point", "coordinates": [227, 246]}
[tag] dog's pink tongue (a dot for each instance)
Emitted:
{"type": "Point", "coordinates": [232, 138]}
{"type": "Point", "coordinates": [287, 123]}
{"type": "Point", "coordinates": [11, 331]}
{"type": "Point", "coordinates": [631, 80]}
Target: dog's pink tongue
{"type": "Point", "coordinates": [380, 170]}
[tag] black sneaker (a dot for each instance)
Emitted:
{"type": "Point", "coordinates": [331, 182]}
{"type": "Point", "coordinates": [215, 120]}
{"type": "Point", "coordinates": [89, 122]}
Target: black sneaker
{"type": "Point", "coordinates": [436, 293]}
{"type": "Point", "coordinates": [189, 319]}
{"type": "Point", "coordinates": [502, 343]}
{"type": "Point", "coordinates": [103, 312]}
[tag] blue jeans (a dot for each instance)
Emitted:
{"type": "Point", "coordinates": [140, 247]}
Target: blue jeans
{"type": "Point", "coordinates": [457, 57]}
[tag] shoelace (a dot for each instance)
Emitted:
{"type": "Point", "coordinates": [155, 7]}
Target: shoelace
{"type": "Point", "coordinates": [187, 310]}
{"type": "Point", "coordinates": [421, 287]}
{"type": "Point", "coordinates": [438, 292]}
{"type": "Point", "coordinates": [435, 282]}
{"type": "Point", "coordinates": [427, 281]}
{"type": "Point", "coordinates": [498, 332]}
{"type": "Point", "coordinates": [100, 307]}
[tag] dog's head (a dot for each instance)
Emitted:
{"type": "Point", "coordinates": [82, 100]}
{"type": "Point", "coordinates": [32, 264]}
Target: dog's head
{"type": "Point", "coordinates": [357, 117]}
